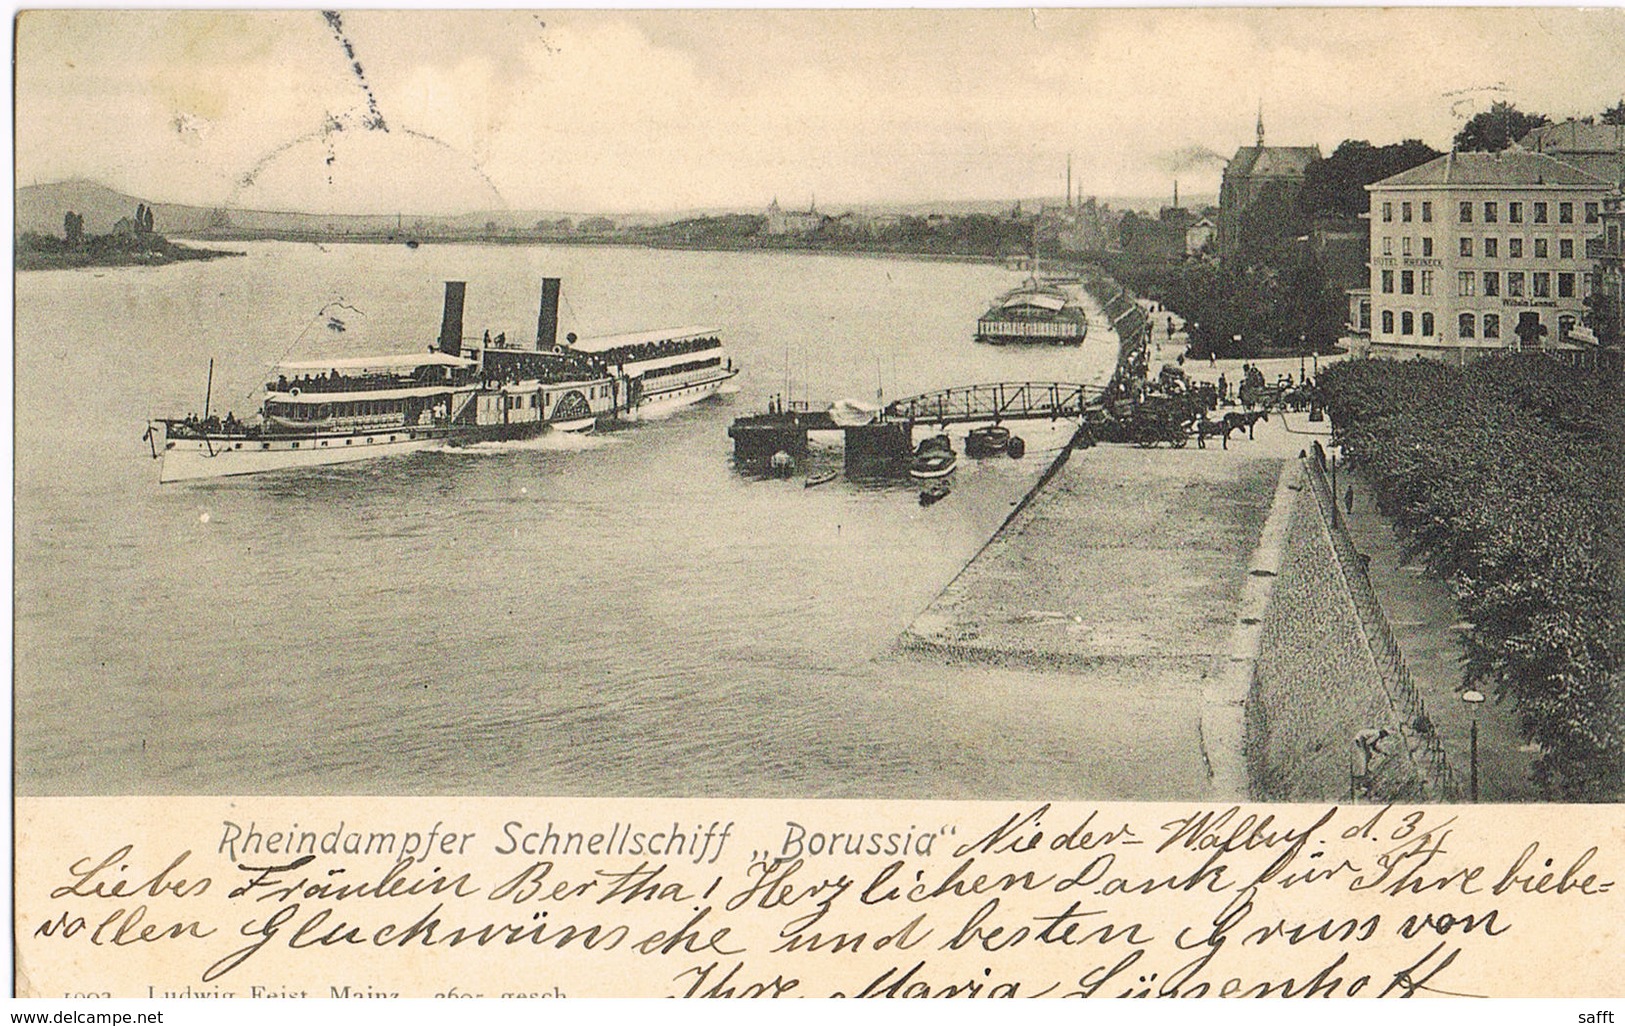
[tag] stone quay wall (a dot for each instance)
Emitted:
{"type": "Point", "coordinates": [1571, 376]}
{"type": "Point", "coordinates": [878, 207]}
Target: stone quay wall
{"type": "Point", "coordinates": [1317, 689]}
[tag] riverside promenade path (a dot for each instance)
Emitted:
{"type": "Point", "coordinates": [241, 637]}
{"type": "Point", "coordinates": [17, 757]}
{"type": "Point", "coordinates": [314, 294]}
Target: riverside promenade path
{"type": "Point", "coordinates": [1094, 622]}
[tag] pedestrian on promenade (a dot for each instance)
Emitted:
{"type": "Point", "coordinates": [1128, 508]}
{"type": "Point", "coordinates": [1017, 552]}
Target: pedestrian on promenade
{"type": "Point", "coordinates": [1348, 501]}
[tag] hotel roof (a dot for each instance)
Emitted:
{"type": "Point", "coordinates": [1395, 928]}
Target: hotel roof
{"type": "Point", "coordinates": [1575, 137]}
{"type": "Point", "coordinates": [1509, 168]}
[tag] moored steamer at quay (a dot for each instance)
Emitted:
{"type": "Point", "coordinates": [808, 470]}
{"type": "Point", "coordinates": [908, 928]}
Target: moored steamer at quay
{"type": "Point", "coordinates": [462, 391]}
{"type": "Point", "coordinates": [1038, 313]}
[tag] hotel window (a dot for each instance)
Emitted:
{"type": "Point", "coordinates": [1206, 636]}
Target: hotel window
{"type": "Point", "coordinates": [1407, 282]}
{"type": "Point", "coordinates": [1492, 248]}
{"type": "Point", "coordinates": [1427, 211]}
{"type": "Point", "coordinates": [1565, 249]}
{"type": "Point", "coordinates": [1492, 283]}
{"type": "Point", "coordinates": [1465, 283]}
{"type": "Point", "coordinates": [1565, 213]}
{"type": "Point", "coordinates": [1387, 212]}
{"type": "Point", "coordinates": [1407, 323]}
{"type": "Point", "coordinates": [1515, 249]}
{"type": "Point", "coordinates": [1541, 284]}
{"type": "Point", "coordinates": [1427, 324]}
{"type": "Point", "coordinates": [1464, 326]}
{"type": "Point", "coordinates": [1565, 284]}
{"type": "Point", "coordinates": [1466, 246]}
{"type": "Point", "coordinates": [1427, 245]}
{"type": "Point", "coordinates": [1492, 325]}
{"type": "Point", "coordinates": [1542, 249]}
{"type": "Point", "coordinates": [1427, 283]}
{"type": "Point", "coordinates": [1405, 245]}
{"type": "Point", "coordinates": [1592, 216]}
{"type": "Point", "coordinates": [1387, 245]}
{"type": "Point", "coordinates": [1405, 212]}
{"type": "Point", "coordinates": [1515, 212]}
{"type": "Point", "coordinates": [1387, 322]}
{"type": "Point", "coordinates": [1540, 212]}
{"type": "Point", "coordinates": [1492, 212]}
{"type": "Point", "coordinates": [1514, 283]}
{"type": "Point", "coordinates": [1388, 281]}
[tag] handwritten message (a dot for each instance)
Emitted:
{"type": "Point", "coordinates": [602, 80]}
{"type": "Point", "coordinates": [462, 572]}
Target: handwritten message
{"type": "Point", "coordinates": [488, 897]}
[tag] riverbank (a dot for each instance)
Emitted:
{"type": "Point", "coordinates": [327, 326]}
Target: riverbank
{"type": "Point", "coordinates": [158, 254]}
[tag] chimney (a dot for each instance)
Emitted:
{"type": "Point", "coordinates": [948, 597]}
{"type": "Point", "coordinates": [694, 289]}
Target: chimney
{"type": "Point", "coordinates": [547, 320]}
{"type": "Point", "coordinates": [451, 322]}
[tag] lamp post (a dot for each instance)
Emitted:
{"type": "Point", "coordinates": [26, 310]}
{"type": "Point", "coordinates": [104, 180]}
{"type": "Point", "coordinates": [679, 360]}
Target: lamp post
{"type": "Point", "coordinates": [1473, 698]}
{"type": "Point", "coordinates": [1303, 343]}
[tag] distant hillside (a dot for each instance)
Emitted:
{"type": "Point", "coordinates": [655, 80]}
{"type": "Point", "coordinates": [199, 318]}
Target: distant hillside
{"type": "Point", "coordinates": [40, 207]}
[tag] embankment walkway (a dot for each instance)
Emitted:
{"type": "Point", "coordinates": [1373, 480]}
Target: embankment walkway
{"type": "Point", "coordinates": [1114, 595]}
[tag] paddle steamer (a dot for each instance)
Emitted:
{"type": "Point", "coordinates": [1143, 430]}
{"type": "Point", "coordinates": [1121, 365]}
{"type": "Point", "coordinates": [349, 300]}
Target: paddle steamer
{"type": "Point", "coordinates": [460, 392]}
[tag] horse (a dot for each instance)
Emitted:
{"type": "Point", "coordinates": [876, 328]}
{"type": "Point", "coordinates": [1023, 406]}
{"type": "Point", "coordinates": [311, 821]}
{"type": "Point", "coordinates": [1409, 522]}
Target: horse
{"type": "Point", "coordinates": [1237, 421]}
{"type": "Point", "coordinates": [1205, 427]}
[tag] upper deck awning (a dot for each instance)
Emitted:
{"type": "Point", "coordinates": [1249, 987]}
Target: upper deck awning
{"type": "Point", "coordinates": [603, 343]}
{"type": "Point", "coordinates": [1041, 300]}
{"type": "Point", "coordinates": [390, 361]}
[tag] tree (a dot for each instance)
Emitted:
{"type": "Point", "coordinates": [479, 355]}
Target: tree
{"type": "Point", "coordinates": [1336, 185]}
{"type": "Point", "coordinates": [1614, 115]}
{"type": "Point", "coordinates": [1310, 309]}
{"type": "Point", "coordinates": [1495, 129]}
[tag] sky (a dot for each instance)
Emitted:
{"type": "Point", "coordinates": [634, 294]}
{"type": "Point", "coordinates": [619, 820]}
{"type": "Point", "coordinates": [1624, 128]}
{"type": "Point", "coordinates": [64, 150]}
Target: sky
{"type": "Point", "coordinates": [621, 111]}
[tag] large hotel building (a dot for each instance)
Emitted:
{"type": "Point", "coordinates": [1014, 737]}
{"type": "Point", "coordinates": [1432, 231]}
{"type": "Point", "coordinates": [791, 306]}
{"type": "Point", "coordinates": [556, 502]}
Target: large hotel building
{"type": "Point", "coordinates": [1479, 251]}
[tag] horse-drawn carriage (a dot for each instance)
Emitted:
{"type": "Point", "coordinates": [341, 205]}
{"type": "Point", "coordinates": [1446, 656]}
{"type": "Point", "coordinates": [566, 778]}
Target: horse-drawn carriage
{"type": "Point", "coordinates": [1159, 419]}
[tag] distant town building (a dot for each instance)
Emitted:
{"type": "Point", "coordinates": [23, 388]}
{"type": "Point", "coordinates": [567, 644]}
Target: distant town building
{"type": "Point", "coordinates": [1200, 236]}
{"type": "Point", "coordinates": [792, 222]}
{"type": "Point", "coordinates": [1480, 251]}
{"type": "Point", "coordinates": [1598, 150]}
{"type": "Point", "coordinates": [1258, 196]}
{"type": "Point", "coordinates": [1079, 227]}
{"type": "Point", "coordinates": [1359, 322]}
{"type": "Point", "coordinates": [1342, 246]}
{"type": "Point", "coordinates": [1608, 283]}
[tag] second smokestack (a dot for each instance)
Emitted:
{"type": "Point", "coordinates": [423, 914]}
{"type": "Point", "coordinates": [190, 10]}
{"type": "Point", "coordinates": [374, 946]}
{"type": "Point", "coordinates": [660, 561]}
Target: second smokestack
{"type": "Point", "coordinates": [547, 320]}
{"type": "Point", "coordinates": [451, 321]}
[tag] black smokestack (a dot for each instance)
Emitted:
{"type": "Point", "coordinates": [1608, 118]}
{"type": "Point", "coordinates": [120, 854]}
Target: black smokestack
{"type": "Point", "coordinates": [547, 321]}
{"type": "Point", "coordinates": [451, 322]}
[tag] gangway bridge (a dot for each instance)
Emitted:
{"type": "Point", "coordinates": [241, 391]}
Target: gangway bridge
{"type": "Point", "coordinates": [1000, 401]}
{"type": "Point", "coordinates": [888, 437]}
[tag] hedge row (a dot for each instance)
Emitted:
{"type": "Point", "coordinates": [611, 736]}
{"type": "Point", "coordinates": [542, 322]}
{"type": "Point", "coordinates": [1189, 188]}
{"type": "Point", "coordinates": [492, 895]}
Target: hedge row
{"type": "Point", "coordinates": [1507, 476]}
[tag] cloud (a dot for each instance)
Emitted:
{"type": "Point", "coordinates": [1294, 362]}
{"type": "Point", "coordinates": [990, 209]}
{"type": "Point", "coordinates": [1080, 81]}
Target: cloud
{"type": "Point", "coordinates": [614, 110]}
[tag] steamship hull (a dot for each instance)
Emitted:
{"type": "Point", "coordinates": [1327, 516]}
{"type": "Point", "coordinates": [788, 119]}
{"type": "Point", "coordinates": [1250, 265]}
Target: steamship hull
{"type": "Point", "coordinates": [673, 399]}
{"type": "Point", "coordinates": [198, 459]}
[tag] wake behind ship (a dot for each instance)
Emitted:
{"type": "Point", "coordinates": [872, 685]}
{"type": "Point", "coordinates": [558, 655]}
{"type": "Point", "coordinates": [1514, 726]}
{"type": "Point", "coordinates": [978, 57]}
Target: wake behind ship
{"type": "Point", "coordinates": [460, 392]}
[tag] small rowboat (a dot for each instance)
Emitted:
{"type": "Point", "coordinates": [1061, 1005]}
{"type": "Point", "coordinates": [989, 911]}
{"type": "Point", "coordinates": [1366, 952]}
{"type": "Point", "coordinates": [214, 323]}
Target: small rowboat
{"type": "Point", "coordinates": [933, 493]}
{"type": "Point", "coordinates": [989, 440]}
{"type": "Point", "coordinates": [815, 480]}
{"type": "Point", "coordinates": [933, 459]}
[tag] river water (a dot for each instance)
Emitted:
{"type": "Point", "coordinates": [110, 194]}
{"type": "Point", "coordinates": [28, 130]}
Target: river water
{"type": "Point", "coordinates": [626, 614]}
